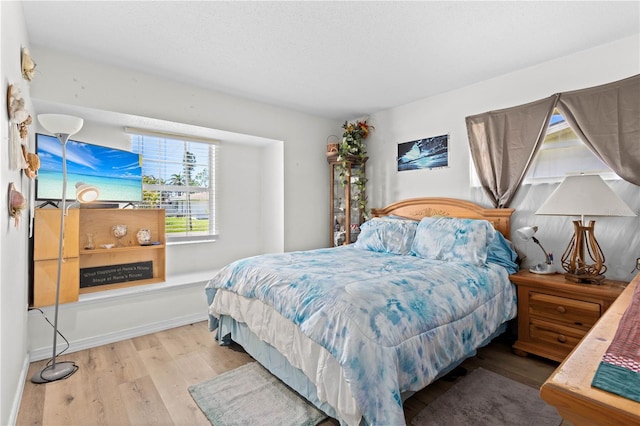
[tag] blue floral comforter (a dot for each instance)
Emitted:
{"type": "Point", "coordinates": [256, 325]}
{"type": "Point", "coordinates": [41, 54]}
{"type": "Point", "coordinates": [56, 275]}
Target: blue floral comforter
{"type": "Point", "coordinates": [393, 322]}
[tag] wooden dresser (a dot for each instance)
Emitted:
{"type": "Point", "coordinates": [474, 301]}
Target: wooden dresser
{"type": "Point", "coordinates": [569, 389]}
{"type": "Point", "coordinates": [555, 314]}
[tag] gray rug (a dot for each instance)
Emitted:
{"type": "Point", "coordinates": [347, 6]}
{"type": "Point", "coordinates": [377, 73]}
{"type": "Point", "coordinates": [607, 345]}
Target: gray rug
{"type": "Point", "coordinates": [484, 398]}
{"type": "Point", "coordinates": [250, 395]}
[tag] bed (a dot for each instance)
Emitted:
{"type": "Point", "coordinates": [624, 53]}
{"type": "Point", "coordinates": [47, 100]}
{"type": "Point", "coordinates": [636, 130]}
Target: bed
{"type": "Point", "coordinates": [357, 329]}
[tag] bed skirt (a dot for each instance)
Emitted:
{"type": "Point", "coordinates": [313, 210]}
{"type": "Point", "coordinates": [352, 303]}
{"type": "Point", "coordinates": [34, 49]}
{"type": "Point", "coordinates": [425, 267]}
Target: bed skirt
{"type": "Point", "coordinates": [229, 329]}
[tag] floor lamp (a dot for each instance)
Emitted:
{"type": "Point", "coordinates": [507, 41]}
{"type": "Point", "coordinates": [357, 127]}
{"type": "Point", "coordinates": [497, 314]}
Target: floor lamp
{"type": "Point", "coordinates": [62, 126]}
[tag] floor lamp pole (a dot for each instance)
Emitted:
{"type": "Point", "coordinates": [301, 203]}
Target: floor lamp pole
{"type": "Point", "coordinates": [61, 370]}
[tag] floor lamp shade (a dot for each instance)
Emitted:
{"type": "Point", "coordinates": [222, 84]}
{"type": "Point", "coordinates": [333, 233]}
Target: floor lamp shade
{"type": "Point", "coordinates": [584, 195]}
{"type": "Point", "coordinates": [62, 126]}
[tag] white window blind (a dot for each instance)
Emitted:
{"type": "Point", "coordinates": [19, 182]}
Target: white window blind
{"type": "Point", "coordinates": [179, 176]}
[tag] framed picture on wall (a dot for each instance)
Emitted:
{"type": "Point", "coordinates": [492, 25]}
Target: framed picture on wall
{"type": "Point", "coordinates": [427, 153]}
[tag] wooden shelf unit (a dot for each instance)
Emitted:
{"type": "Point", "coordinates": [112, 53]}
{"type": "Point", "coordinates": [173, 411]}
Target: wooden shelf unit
{"type": "Point", "coordinates": [98, 222]}
{"type": "Point", "coordinates": [345, 214]}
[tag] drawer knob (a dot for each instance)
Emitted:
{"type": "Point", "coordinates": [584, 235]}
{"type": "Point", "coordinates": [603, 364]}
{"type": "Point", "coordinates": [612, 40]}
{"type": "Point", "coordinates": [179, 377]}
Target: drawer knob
{"type": "Point", "coordinates": [561, 309]}
{"type": "Point", "coordinates": [562, 339]}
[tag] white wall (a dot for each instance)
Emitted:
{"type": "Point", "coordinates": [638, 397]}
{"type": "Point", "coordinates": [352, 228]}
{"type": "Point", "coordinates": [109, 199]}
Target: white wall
{"type": "Point", "coordinates": [13, 241]}
{"type": "Point", "coordinates": [272, 196]}
{"type": "Point", "coordinates": [446, 113]}
{"type": "Point", "coordinates": [73, 81]}
{"type": "Point", "coordinates": [267, 192]}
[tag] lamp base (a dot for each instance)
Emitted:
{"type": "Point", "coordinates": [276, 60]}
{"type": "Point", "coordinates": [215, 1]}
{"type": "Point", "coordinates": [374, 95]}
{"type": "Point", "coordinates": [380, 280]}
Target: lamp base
{"type": "Point", "coordinates": [583, 278]}
{"type": "Point", "coordinates": [50, 373]}
{"type": "Point", "coordinates": [543, 268]}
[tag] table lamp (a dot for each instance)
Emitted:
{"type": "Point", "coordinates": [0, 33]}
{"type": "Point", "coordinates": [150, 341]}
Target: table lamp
{"type": "Point", "coordinates": [584, 195]}
{"type": "Point", "coordinates": [527, 234]}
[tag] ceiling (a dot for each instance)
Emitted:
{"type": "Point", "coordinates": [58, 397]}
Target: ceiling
{"type": "Point", "coordinates": [339, 60]}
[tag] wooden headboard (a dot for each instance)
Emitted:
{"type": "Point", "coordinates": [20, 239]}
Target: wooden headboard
{"type": "Point", "coordinates": [417, 208]}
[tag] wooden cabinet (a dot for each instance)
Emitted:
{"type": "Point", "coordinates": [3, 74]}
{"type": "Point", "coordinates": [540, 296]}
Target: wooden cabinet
{"type": "Point", "coordinates": [99, 268]}
{"type": "Point", "coordinates": [45, 257]}
{"type": "Point", "coordinates": [345, 214]}
{"type": "Point", "coordinates": [555, 314]}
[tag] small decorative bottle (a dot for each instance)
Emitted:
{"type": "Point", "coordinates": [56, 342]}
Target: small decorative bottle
{"type": "Point", "coordinates": [89, 245]}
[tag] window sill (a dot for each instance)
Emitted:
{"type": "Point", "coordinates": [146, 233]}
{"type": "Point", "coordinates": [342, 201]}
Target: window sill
{"type": "Point", "coordinates": [178, 242]}
{"type": "Point", "coordinates": [172, 283]}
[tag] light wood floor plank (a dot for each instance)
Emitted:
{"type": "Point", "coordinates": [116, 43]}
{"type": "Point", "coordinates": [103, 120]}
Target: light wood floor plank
{"type": "Point", "coordinates": [145, 380]}
{"type": "Point", "coordinates": [146, 342]}
{"type": "Point", "coordinates": [194, 368]}
{"type": "Point", "coordinates": [112, 409]}
{"type": "Point", "coordinates": [188, 341]}
{"type": "Point", "coordinates": [225, 358]}
{"type": "Point", "coordinates": [143, 403]}
{"type": "Point", "coordinates": [32, 414]}
{"type": "Point", "coordinates": [171, 383]}
{"type": "Point", "coordinates": [64, 400]}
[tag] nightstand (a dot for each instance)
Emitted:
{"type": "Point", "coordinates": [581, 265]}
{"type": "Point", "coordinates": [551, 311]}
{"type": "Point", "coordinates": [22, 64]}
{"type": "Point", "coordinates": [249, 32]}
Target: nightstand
{"type": "Point", "coordinates": [554, 314]}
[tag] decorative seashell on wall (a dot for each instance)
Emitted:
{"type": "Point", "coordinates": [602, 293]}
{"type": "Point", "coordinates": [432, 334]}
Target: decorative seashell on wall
{"type": "Point", "coordinates": [19, 119]}
{"type": "Point", "coordinates": [28, 66]}
{"type": "Point", "coordinates": [17, 203]}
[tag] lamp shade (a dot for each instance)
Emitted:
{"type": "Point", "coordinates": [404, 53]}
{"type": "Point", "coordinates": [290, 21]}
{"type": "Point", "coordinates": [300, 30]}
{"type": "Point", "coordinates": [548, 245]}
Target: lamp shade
{"type": "Point", "coordinates": [61, 124]}
{"type": "Point", "coordinates": [584, 195]}
{"type": "Point", "coordinates": [86, 193]}
{"type": "Point", "coordinates": [527, 232]}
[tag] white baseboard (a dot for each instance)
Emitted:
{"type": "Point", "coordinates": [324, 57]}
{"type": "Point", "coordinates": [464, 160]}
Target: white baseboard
{"type": "Point", "coordinates": [182, 282]}
{"type": "Point", "coordinates": [15, 407]}
{"type": "Point", "coordinates": [119, 335]}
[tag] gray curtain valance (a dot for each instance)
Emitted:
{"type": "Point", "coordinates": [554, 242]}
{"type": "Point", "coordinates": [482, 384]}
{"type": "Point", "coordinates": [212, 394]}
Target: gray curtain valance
{"type": "Point", "coordinates": [606, 118]}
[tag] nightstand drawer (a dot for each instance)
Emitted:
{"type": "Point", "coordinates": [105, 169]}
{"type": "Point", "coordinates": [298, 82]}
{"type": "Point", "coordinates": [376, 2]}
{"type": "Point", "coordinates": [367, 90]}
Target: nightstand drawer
{"type": "Point", "coordinates": [578, 313]}
{"type": "Point", "coordinates": [555, 334]}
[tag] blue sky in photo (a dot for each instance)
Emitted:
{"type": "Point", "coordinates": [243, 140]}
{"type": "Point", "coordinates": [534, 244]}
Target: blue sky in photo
{"type": "Point", "coordinates": [88, 159]}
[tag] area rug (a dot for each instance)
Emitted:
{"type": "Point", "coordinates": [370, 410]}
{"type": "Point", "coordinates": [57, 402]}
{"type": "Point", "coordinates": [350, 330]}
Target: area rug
{"type": "Point", "coordinates": [484, 398]}
{"type": "Point", "coordinates": [250, 395]}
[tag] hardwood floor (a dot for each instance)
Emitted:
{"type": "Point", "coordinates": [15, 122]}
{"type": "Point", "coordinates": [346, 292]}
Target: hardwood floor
{"type": "Point", "coordinates": [144, 381]}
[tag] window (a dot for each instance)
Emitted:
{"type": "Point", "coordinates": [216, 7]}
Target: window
{"type": "Point", "coordinates": [562, 154]}
{"type": "Point", "coordinates": [179, 176]}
